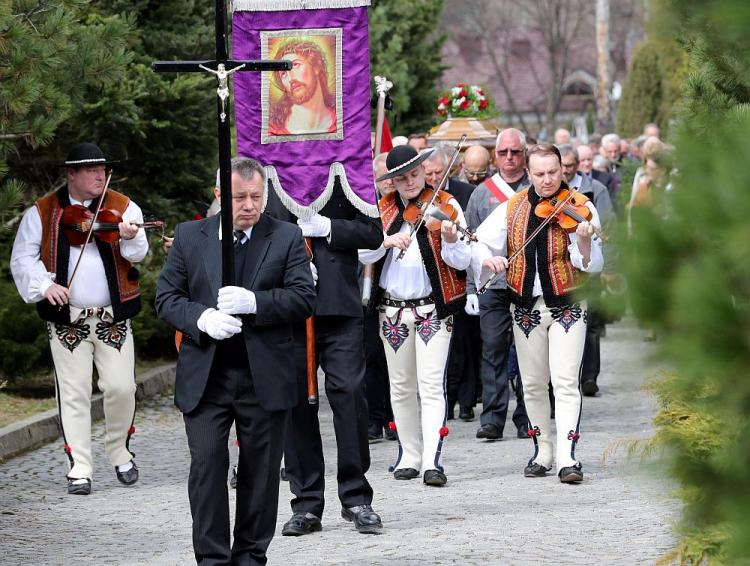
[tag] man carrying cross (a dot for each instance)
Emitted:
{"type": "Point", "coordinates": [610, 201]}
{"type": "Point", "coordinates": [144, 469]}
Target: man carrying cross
{"type": "Point", "coordinates": [230, 332]}
{"type": "Point", "coordinates": [231, 324]}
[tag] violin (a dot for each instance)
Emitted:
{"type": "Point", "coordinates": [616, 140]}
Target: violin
{"type": "Point", "coordinates": [433, 194]}
{"type": "Point", "coordinates": [557, 208]}
{"type": "Point", "coordinates": [567, 208]}
{"type": "Point", "coordinates": [434, 209]}
{"type": "Point", "coordinates": [77, 221]}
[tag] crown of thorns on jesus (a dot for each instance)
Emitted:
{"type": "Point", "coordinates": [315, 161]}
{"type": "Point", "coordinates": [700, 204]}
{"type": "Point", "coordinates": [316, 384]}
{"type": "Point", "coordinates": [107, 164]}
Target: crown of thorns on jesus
{"type": "Point", "coordinates": [311, 51]}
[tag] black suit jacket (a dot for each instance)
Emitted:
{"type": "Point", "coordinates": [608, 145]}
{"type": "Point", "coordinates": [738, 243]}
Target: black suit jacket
{"type": "Point", "coordinates": [276, 269]}
{"type": "Point", "coordinates": [608, 180]}
{"type": "Point", "coordinates": [337, 262]}
{"type": "Point", "coordinates": [461, 192]}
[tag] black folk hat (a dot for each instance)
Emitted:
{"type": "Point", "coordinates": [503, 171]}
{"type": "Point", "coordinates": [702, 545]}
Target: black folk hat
{"type": "Point", "coordinates": [85, 154]}
{"type": "Point", "coordinates": [401, 159]}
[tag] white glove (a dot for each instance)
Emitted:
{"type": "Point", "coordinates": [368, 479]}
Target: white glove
{"type": "Point", "coordinates": [236, 300]}
{"type": "Point", "coordinates": [472, 305]}
{"type": "Point", "coordinates": [316, 226]}
{"type": "Point", "coordinates": [314, 271]}
{"type": "Point", "coordinates": [218, 325]}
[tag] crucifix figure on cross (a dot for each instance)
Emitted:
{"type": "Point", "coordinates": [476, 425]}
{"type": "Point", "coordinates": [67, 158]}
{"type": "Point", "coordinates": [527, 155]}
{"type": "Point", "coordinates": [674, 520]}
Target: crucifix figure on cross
{"type": "Point", "coordinates": [222, 67]}
{"type": "Point", "coordinates": [222, 91]}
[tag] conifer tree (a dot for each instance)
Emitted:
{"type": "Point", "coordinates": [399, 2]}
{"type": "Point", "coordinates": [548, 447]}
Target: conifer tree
{"type": "Point", "coordinates": [690, 274]}
{"type": "Point", "coordinates": [652, 88]}
{"type": "Point", "coordinates": [641, 94]}
{"type": "Point", "coordinates": [405, 47]}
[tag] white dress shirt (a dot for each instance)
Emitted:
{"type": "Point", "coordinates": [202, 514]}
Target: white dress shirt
{"type": "Point", "coordinates": [407, 278]}
{"type": "Point", "coordinates": [89, 287]}
{"type": "Point", "coordinates": [493, 241]}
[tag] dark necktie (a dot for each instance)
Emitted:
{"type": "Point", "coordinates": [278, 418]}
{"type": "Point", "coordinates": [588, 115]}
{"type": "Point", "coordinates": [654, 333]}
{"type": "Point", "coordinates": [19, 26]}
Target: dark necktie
{"type": "Point", "coordinates": [239, 238]}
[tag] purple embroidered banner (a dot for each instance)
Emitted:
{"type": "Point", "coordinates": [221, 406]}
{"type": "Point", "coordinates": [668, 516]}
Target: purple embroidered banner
{"type": "Point", "coordinates": [312, 123]}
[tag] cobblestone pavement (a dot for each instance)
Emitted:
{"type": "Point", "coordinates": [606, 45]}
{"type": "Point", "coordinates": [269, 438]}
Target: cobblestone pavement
{"type": "Point", "coordinates": [488, 514]}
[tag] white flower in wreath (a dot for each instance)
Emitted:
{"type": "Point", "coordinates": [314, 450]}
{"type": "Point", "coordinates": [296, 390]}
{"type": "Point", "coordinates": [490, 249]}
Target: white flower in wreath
{"type": "Point", "coordinates": [455, 90]}
{"type": "Point", "coordinates": [441, 106]}
{"type": "Point", "coordinates": [458, 102]}
{"type": "Point", "coordinates": [475, 89]}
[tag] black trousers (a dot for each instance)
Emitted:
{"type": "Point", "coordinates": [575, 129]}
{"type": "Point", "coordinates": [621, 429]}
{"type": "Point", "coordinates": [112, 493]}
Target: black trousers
{"type": "Point", "coordinates": [591, 364]}
{"type": "Point", "coordinates": [230, 398]}
{"type": "Point", "coordinates": [339, 346]}
{"type": "Point", "coordinates": [464, 361]}
{"type": "Point", "coordinates": [497, 336]}
{"type": "Point", "coordinates": [377, 386]}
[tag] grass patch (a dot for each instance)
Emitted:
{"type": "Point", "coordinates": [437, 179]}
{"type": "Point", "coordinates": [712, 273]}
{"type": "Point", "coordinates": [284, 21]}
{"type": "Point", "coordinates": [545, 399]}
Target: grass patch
{"type": "Point", "coordinates": [14, 408]}
{"type": "Point", "coordinates": [25, 398]}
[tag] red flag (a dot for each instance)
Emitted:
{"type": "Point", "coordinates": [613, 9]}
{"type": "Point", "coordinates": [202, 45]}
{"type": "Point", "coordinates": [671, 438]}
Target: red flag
{"type": "Point", "coordinates": [386, 143]}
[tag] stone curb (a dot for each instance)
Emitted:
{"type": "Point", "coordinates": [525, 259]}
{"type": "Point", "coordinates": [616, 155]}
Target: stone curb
{"type": "Point", "coordinates": [27, 434]}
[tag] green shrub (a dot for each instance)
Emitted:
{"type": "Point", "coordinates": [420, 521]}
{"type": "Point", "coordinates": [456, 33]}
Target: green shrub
{"type": "Point", "coordinates": [689, 270]}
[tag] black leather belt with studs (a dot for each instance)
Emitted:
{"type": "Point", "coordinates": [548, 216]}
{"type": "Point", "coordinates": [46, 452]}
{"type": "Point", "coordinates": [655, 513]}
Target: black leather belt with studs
{"type": "Point", "coordinates": [406, 303]}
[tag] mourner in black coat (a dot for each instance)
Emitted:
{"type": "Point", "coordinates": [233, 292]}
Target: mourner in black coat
{"type": "Point", "coordinates": [236, 363]}
{"type": "Point", "coordinates": [335, 235]}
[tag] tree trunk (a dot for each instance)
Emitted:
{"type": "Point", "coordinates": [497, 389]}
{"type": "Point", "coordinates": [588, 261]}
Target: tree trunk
{"type": "Point", "coordinates": [603, 108]}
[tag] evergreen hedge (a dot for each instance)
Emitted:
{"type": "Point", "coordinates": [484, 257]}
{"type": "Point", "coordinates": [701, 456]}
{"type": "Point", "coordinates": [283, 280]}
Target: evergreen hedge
{"type": "Point", "coordinates": [689, 272]}
{"type": "Point", "coordinates": [652, 88]}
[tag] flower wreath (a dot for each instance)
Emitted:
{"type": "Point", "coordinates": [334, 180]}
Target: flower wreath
{"type": "Point", "coordinates": [466, 101]}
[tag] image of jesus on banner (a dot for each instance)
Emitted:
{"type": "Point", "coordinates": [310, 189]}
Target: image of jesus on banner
{"type": "Point", "coordinates": [303, 103]}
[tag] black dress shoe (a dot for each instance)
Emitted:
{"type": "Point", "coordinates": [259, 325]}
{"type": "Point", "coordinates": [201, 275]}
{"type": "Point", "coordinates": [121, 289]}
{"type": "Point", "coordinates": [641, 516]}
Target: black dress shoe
{"type": "Point", "coordinates": [301, 524]}
{"type": "Point", "coordinates": [129, 477]}
{"type": "Point", "coordinates": [390, 434]}
{"type": "Point", "coordinates": [571, 474]}
{"type": "Point", "coordinates": [233, 479]}
{"type": "Point", "coordinates": [534, 470]}
{"type": "Point", "coordinates": [523, 432]}
{"type": "Point", "coordinates": [435, 478]}
{"type": "Point", "coordinates": [406, 474]}
{"type": "Point", "coordinates": [489, 432]}
{"type": "Point", "coordinates": [466, 414]}
{"type": "Point", "coordinates": [79, 488]}
{"type": "Point", "coordinates": [589, 388]}
{"type": "Point", "coordinates": [365, 520]}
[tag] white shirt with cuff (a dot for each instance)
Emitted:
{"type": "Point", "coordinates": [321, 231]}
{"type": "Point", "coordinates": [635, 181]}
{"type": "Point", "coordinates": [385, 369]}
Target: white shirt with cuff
{"type": "Point", "coordinates": [493, 241]}
{"type": "Point", "coordinates": [32, 278]}
{"type": "Point", "coordinates": [407, 278]}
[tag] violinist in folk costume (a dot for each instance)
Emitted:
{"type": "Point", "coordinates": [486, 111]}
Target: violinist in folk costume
{"type": "Point", "coordinates": [420, 286]}
{"type": "Point", "coordinates": [88, 315]}
{"type": "Point", "coordinates": [542, 238]}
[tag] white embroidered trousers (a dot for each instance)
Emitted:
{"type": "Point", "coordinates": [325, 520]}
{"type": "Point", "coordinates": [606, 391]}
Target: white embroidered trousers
{"type": "Point", "coordinates": [549, 343]}
{"type": "Point", "coordinates": [76, 348]}
{"type": "Point", "coordinates": [416, 347]}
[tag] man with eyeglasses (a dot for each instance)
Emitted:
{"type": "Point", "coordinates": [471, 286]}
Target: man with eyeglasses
{"type": "Point", "coordinates": [493, 307]}
{"type": "Point", "coordinates": [476, 165]}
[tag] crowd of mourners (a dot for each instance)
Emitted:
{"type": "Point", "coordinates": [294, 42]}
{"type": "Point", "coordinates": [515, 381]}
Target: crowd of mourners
{"type": "Point", "coordinates": [466, 285]}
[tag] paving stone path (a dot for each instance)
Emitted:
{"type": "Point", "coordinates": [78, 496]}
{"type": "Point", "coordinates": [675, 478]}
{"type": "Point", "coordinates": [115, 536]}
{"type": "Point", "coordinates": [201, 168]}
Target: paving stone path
{"type": "Point", "coordinates": [488, 514]}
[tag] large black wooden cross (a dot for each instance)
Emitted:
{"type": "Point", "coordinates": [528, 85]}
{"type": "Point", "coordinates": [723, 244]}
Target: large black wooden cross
{"type": "Point", "coordinates": [222, 67]}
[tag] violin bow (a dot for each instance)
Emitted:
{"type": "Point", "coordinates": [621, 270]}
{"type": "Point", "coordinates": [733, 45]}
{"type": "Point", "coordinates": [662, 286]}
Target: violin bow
{"type": "Point", "coordinates": [437, 189]}
{"type": "Point", "coordinates": [90, 233]}
{"type": "Point", "coordinates": [530, 239]}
